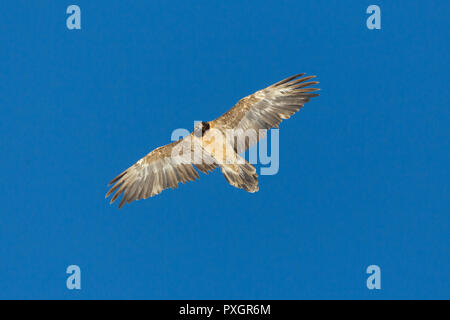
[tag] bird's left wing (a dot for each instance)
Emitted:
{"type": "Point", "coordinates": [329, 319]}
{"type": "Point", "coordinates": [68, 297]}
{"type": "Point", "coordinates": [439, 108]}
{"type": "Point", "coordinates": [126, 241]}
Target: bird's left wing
{"type": "Point", "coordinates": [266, 108]}
{"type": "Point", "coordinates": [162, 168]}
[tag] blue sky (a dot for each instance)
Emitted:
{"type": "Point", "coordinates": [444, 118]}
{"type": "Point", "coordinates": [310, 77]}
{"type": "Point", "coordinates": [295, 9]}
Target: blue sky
{"type": "Point", "coordinates": [363, 179]}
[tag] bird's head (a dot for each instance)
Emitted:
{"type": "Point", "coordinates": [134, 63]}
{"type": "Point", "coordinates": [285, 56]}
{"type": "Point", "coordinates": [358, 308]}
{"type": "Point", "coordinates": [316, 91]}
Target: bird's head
{"type": "Point", "coordinates": [200, 128]}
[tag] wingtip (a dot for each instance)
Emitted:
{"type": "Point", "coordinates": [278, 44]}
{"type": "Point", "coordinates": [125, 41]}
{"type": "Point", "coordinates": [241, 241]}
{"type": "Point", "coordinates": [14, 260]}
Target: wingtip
{"type": "Point", "coordinates": [287, 79]}
{"type": "Point", "coordinates": [117, 178]}
{"type": "Point", "coordinates": [110, 191]}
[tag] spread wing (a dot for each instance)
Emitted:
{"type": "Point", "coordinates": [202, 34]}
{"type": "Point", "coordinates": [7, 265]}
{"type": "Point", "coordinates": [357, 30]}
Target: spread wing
{"type": "Point", "coordinates": [162, 168]}
{"type": "Point", "coordinates": [266, 108]}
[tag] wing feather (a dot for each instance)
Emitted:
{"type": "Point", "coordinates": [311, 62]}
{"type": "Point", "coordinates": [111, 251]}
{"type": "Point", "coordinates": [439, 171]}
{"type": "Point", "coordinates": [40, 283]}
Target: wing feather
{"type": "Point", "coordinates": [161, 169]}
{"type": "Point", "coordinates": [266, 108]}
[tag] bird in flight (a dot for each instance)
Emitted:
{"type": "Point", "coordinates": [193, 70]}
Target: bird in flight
{"type": "Point", "coordinates": [213, 144]}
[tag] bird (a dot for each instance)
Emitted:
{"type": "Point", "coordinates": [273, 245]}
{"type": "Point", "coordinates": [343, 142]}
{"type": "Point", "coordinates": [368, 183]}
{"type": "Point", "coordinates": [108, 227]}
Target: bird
{"type": "Point", "coordinates": [213, 144]}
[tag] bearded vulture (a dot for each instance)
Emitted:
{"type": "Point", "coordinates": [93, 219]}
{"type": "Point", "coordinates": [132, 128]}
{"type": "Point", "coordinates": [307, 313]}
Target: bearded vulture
{"type": "Point", "coordinates": [213, 144]}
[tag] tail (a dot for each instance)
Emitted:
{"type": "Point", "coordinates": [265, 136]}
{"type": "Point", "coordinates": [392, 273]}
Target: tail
{"type": "Point", "coordinates": [241, 176]}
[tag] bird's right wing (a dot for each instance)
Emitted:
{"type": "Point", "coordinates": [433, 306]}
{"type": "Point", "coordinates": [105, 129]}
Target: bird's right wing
{"type": "Point", "coordinates": [266, 108]}
{"type": "Point", "coordinates": [162, 168]}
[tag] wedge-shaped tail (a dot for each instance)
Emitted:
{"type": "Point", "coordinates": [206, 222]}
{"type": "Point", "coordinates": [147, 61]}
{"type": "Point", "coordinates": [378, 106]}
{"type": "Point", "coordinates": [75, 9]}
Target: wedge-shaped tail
{"type": "Point", "coordinates": [241, 176]}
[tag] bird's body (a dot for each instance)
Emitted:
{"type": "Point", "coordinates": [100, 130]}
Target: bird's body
{"type": "Point", "coordinates": [213, 144]}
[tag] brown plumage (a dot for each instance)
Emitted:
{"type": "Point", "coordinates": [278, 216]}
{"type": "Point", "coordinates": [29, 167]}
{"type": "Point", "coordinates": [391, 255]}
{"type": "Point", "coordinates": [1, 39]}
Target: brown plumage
{"type": "Point", "coordinates": [209, 145]}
